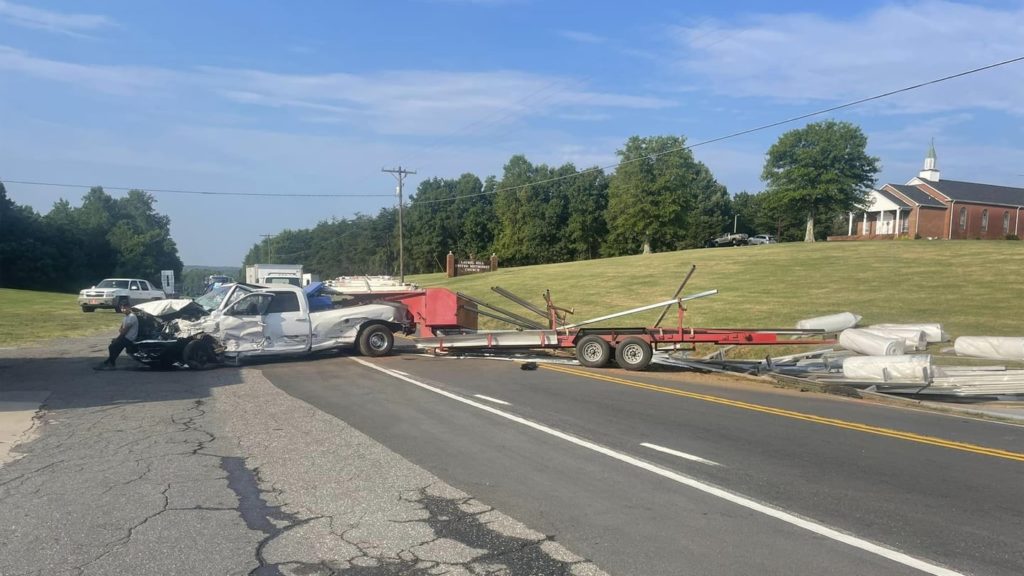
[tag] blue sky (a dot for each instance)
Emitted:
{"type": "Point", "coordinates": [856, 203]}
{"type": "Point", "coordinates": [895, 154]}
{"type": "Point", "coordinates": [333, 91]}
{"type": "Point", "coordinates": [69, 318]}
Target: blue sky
{"type": "Point", "coordinates": [317, 96]}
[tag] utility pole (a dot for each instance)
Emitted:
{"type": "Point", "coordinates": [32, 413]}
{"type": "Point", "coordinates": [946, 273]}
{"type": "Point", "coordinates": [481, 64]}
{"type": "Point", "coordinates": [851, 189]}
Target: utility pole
{"type": "Point", "coordinates": [400, 174]}
{"type": "Point", "coordinates": [270, 247]}
{"type": "Point", "coordinates": [735, 221]}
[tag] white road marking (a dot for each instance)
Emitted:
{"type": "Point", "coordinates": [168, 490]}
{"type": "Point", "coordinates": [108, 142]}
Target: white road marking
{"type": "Point", "coordinates": [489, 399]}
{"type": "Point", "coordinates": [400, 372]}
{"type": "Point", "coordinates": [738, 499]}
{"type": "Point", "coordinates": [679, 454]}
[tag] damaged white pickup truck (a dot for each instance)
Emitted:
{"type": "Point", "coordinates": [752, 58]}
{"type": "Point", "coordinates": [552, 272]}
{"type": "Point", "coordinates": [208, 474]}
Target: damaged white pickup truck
{"type": "Point", "coordinates": [237, 321]}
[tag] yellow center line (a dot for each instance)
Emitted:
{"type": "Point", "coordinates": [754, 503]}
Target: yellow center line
{"type": "Point", "coordinates": [909, 436]}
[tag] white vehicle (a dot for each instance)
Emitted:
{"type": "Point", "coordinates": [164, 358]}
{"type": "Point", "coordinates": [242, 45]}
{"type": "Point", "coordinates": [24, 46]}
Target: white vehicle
{"type": "Point", "coordinates": [762, 239]}
{"type": "Point", "coordinates": [112, 292]}
{"type": "Point", "coordinates": [238, 321]}
{"type": "Point", "coordinates": [274, 274]}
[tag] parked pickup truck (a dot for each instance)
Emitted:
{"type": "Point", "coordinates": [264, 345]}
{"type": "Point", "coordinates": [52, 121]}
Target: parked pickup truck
{"type": "Point", "coordinates": [728, 240]}
{"type": "Point", "coordinates": [112, 292]}
{"type": "Point", "coordinates": [236, 321]}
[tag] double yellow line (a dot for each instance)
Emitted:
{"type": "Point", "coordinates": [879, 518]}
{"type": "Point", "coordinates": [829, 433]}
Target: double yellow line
{"type": "Point", "coordinates": [909, 436]}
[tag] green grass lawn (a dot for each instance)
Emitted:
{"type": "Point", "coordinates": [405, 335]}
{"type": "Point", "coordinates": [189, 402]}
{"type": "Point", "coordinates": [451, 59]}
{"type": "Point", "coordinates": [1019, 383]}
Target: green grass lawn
{"type": "Point", "coordinates": [27, 316]}
{"type": "Point", "coordinates": [971, 286]}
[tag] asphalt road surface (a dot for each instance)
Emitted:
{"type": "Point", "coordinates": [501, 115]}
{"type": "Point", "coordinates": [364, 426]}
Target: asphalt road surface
{"type": "Point", "coordinates": [647, 474]}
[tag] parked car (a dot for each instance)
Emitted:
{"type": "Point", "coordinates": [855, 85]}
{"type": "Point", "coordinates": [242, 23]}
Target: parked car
{"type": "Point", "coordinates": [236, 321]}
{"type": "Point", "coordinates": [112, 292]}
{"type": "Point", "coordinates": [762, 239]}
{"type": "Point", "coordinates": [728, 240]}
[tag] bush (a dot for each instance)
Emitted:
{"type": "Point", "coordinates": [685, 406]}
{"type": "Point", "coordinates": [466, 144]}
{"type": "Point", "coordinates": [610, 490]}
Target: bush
{"type": "Point", "coordinates": [1012, 237]}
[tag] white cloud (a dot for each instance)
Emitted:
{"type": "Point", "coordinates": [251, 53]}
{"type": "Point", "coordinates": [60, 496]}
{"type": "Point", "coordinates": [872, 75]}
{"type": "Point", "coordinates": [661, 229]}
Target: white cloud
{"type": "Point", "coordinates": [71, 24]}
{"type": "Point", "coordinates": [388, 102]}
{"type": "Point", "coordinates": [810, 57]}
{"type": "Point", "coordinates": [582, 37]}
{"type": "Point", "coordinates": [109, 79]}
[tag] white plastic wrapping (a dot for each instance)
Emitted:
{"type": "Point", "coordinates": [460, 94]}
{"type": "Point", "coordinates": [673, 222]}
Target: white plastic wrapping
{"type": "Point", "coordinates": [998, 347]}
{"type": "Point", "coordinates": [868, 344]}
{"type": "Point", "coordinates": [830, 323]}
{"type": "Point", "coordinates": [912, 339]}
{"type": "Point", "coordinates": [909, 368]}
{"type": "Point", "coordinates": [933, 331]}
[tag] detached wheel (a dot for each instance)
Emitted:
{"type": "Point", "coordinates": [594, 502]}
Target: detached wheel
{"type": "Point", "coordinates": [198, 355]}
{"type": "Point", "coordinates": [634, 354]}
{"type": "Point", "coordinates": [376, 340]}
{"type": "Point", "coordinates": [88, 308]}
{"type": "Point", "coordinates": [593, 351]}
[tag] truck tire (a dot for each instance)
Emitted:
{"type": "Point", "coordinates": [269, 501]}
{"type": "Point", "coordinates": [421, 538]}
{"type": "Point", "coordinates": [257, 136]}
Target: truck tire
{"type": "Point", "coordinates": [593, 351]}
{"type": "Point", "coordinates": [376, 340]}
{"type": "Point", "coordinates": [198, 355]}
{"type": "Point", "coordinates": [88, 308]}
{"type": "Point", "coordinates": [634, 353]}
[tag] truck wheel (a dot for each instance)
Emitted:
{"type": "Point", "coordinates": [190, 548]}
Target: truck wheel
{"type": "Point", "coordinates": [634, 353]}
{"type": "Point", "coordinates": [593, 351]}
{"type": "Point", "coordinates": [121, 300]}
{"type": "Point", "coordinates": [376, 340]}
{"type": "Point", "coordinates": [197, 355]}
{"type": "Point", "coordinates": [88, 308]}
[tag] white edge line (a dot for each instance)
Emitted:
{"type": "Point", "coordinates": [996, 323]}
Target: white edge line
{"type": "Point", "coordinates": [400, 372]}
{"type": "Point", "coordinates": [740, 500]}
{"type": "Point", "coordinates": [489, 399]}
{"type": "Point", "coordinates": [679, 454]}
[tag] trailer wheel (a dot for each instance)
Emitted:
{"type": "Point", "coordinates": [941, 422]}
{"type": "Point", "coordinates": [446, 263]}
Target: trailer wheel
{"type": "Point", "coordinates": [634, 353]}
{"type": "Point", "coordinates": [198, 354]}
{"type": "Point", "coordinates": [376, 340]}
{"type": "Point", "coordinates": [593, 351]}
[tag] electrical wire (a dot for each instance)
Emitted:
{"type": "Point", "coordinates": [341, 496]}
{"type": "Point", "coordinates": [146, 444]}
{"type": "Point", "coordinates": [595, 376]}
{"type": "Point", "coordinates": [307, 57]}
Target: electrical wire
{"type": "Point", "coordinates": [197, 192]}
{"type": "Point", "coordinates": [739, 133]}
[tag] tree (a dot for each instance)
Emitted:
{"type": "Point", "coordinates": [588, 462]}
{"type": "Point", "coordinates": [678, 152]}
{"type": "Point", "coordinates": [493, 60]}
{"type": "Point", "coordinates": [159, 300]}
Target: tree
{"type": "Point", "coordinates": [819, 171]}
{"type": "Point", "coordinates": [658, 198]}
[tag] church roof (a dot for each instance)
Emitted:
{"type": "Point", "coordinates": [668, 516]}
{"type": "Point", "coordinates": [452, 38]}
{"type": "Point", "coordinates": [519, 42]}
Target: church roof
{"type": "Point", "coordinates": [893, 198]}
{"type": "Point", "coordinates": [917, 195]}
{"type": "Point", "coordinates": [978, 193]}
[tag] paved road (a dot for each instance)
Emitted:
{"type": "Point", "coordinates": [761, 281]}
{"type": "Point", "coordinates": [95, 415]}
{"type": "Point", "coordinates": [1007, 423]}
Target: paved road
{"type": "Point", "coordinates": [138, 472]}
{"type": "Point", "coordinates": [647, 475]}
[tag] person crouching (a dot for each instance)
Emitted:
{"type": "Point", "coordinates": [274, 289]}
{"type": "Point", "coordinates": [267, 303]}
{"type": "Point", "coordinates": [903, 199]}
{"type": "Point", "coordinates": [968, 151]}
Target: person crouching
{"type": "Point", "coordinates": [125, 338]}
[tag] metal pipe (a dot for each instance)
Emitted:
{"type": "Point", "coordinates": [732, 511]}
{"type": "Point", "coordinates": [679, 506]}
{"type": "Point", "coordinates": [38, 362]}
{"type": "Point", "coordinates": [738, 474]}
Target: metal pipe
{"type": "Point", "coordinates": [526, 322]}
{"type": "Point", "coordinates": [643, 309]}
{"type": "Point", "coordinates": [521, 301]}
{"type": "Point", "coordinates": [500, 318]}
{"type": "Point", "coordinates": [676, 295]}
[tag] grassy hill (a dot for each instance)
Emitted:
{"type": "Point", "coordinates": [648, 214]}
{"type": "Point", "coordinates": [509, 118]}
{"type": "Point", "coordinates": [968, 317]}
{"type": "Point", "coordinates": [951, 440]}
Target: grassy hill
{"type": "Point", "coordinates": [972, 287]}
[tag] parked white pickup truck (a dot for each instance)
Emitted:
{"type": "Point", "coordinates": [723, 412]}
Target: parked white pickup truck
{"type": "Point", "coordinates": [112, 292]}
{"type": "Point", "coordinates": [236, 321]}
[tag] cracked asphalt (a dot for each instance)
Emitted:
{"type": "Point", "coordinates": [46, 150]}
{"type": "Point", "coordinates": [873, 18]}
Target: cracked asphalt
{"type": "Point", "coordinates": [143, 472]}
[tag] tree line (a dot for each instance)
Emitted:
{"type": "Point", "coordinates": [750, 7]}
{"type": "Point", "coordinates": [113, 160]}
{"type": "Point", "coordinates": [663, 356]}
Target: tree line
{"type": "Point", "coordinates": [71, 247]}
{"type": "Point", "coordinates": [660, 198]}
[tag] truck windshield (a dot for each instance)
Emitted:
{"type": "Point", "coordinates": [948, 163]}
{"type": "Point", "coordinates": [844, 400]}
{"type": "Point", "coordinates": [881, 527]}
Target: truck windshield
{"type": "Point", "coordinates": [212, 300]}
{"type": "Point", "coordinates": [113, 284]}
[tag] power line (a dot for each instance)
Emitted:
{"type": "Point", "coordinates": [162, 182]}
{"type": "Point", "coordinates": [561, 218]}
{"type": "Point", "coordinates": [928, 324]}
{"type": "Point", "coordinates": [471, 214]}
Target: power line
{"type": "Point", "coordinates": [197, 192]}
{"type": "Point", "coordinates": [741, 132]}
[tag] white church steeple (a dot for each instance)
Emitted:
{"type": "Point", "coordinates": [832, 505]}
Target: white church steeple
{"type": "Point", "coordinates": [931, 171]}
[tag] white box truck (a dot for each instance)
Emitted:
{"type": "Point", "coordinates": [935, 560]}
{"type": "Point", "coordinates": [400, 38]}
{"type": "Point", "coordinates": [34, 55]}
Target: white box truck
{"type": "Point", "coordinates": [274, 274]}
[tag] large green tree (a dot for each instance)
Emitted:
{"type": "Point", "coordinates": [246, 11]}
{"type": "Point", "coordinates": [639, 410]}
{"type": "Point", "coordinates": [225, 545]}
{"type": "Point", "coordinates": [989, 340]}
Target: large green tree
{"type": "Point", "coordinates": [661, 198]}
{"type": "Point", "coordinates": [819, 171]}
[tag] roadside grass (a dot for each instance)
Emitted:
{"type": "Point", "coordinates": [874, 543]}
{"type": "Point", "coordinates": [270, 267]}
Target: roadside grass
{"type": "Point", "coordinates": [972, 287]}
{"type": "Point", "coordinates": [27, 316]}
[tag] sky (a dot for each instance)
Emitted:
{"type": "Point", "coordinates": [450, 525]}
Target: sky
{"type": "Point", "coordinates": [316, 97]}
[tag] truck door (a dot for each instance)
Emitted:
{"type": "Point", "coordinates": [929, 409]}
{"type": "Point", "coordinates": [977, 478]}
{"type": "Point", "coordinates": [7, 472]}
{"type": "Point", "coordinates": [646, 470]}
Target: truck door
{"type": "Point", "coordinates": [287, 325]}
{"type": "Point", "coordinates": [242, 327]}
